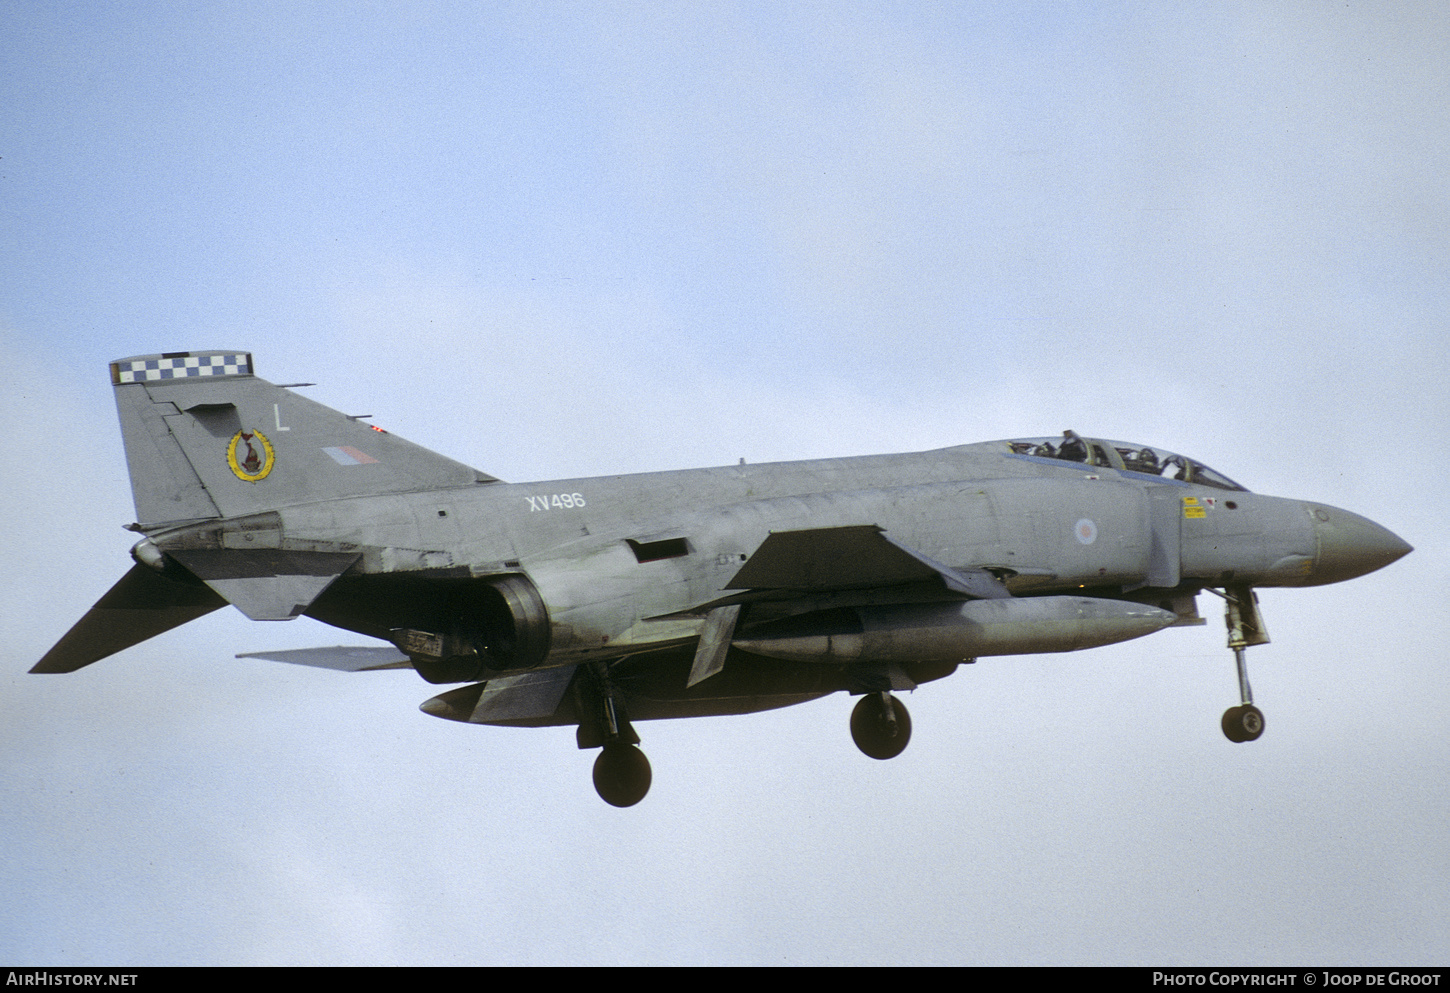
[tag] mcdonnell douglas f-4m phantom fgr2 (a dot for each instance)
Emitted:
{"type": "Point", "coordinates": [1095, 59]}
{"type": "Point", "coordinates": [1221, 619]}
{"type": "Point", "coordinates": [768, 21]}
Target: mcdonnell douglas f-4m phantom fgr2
{"type": "Point", "coordinates": [602, 602]}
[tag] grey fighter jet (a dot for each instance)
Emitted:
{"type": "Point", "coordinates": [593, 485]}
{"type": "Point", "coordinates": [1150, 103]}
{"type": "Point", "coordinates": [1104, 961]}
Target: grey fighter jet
{"type": "Point", "coordinates": [603, 602]}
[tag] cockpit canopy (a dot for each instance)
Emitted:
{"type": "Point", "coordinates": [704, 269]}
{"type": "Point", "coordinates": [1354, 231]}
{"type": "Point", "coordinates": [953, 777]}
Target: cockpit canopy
{"type": "Point", "coordinates": [1123, 456]}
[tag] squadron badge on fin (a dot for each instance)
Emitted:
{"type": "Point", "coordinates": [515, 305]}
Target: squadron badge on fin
{"type": "Point", "coordinates": [250, 465]}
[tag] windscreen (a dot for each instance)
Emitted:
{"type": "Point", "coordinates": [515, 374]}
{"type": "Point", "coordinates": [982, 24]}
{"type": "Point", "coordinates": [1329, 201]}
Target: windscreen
{"type": "Point", "coordinates": [1125, 456]}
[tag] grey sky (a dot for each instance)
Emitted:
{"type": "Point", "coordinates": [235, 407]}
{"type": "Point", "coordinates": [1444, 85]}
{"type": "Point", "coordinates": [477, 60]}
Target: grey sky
{"type": "Point", "coordinates": [558, 239]}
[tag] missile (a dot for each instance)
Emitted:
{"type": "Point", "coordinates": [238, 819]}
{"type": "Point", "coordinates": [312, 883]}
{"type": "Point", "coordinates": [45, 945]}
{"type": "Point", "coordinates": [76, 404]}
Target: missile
{"type": "Point", "coordinates": [953, 632]}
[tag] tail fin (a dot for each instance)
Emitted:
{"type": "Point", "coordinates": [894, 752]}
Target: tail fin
{"type": "Point", "coordinates": [206, 438]}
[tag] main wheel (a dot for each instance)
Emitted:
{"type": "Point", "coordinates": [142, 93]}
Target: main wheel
{"type": "Point", "coordinates": [875, 734]}
{"type": "Point", "coordinates": [1243, 723]}
{"type": "Point", "coordinates": [621, 775]}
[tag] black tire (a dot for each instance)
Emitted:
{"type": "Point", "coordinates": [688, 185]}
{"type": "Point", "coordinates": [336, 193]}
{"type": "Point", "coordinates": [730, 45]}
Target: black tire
{"type": "Point", "coordinates": [1243, 723]}
{"type": "Point", "coordinates": [873, 733]}
{"type": "Point", "coordinates": [1230, 724]}
{"type": "Point", "coordinates": [621, 775]}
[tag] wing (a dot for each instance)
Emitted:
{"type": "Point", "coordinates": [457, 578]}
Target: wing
{"type": "Point", "coordinates": [849, 565]}
{"type": "Point", "coordinates": [854, 557]}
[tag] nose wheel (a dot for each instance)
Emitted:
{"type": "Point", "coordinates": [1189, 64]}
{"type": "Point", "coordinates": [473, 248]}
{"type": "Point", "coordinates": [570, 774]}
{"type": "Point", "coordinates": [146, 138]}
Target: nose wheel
{"type": "Point", "coordinates": [1243, 723]}
{"type": "Point", "coordinates": [880, 726]}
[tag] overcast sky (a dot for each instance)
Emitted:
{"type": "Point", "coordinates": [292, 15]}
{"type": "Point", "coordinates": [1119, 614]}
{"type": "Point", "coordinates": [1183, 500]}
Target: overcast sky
{"type": "Point", "coordinates": [562, 239]}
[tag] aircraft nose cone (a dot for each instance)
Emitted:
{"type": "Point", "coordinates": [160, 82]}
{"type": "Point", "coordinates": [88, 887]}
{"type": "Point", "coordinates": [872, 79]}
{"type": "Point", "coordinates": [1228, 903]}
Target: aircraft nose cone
{"type": "Point", "coordinates": [1351, 545]}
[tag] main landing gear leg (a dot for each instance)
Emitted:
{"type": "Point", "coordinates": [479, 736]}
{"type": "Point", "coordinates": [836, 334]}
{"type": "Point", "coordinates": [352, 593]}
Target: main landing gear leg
{"type": "Point", "coordinates": [880, 725]}
{"type": "Point", "coordinates": [1245, 627]}
{"type": "Point", "coordinates": [621, 772]}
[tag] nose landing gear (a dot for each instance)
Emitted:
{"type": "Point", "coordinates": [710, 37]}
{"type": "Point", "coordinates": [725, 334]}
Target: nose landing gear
{"type": "Point", "coordinates": [1245, 627]}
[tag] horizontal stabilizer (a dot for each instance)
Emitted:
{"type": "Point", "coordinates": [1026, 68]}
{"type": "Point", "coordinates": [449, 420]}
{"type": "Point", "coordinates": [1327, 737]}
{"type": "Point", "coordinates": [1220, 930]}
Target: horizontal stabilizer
{"type": "Point", "coordinates": [141, 606]}
{"type": "Point", "coordinates": [343, 658]}
{"type": "Point", "coordinates": [854, 557]}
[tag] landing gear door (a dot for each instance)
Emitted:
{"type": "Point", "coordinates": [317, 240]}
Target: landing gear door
{"type": "Point", "coordinates": [1163, 553]}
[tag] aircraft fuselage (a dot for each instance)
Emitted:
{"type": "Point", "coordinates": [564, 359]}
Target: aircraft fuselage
{"type": "Point", "coordinates": [614, 557]}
